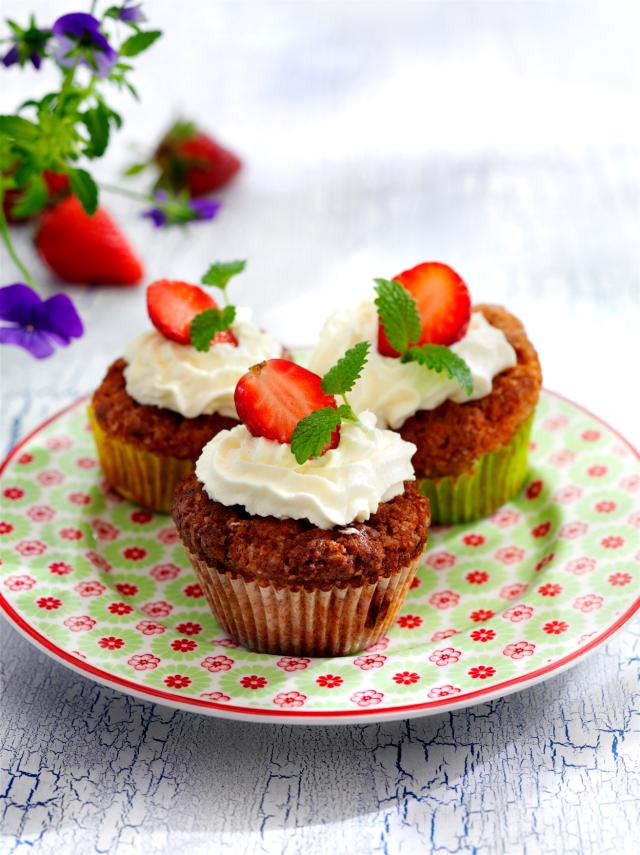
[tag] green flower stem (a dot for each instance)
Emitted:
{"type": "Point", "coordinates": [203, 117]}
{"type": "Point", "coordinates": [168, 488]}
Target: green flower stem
{"type": "Point", "coordinates": [130, 194]}
{"type": "Point", "coordinates": [6, 238]}
{"type": "Point", "coordinates": [346, 403]}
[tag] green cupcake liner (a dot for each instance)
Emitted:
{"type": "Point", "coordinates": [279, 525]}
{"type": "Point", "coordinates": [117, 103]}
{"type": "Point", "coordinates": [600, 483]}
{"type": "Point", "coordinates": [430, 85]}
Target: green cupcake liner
{"type": "Point", "coordinates": [495, 479]}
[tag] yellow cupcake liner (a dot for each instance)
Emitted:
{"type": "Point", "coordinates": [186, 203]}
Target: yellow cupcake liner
{"type": "Point", "coordinates": [141, 476]}
{"type": "Point", "coordinates": [495, 479]}
{"type": "Point", "coordinates": [295, 621]}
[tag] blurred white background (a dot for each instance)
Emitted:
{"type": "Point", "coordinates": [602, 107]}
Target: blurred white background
{"type": "Point", "coordinates": [500, 137]}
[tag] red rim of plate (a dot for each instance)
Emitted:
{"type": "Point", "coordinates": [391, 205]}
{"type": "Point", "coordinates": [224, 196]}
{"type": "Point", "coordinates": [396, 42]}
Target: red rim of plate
{"type": "Point", "coordinates": [307, 717]}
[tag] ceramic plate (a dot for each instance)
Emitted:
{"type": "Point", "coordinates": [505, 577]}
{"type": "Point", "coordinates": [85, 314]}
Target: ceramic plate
{"type": "Point", "coordinates": [104, 587]}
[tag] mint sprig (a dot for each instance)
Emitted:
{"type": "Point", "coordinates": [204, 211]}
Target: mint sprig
{"type": "Point", "coordinates": [221, 272]}
{"type": "Point", "coordinates": [206, 326]}
{"type": "Point", "coordinates": [438, 358]}
{"type": "Point", "coordinates": [398, 313]}
{"type": "Point", "coordinates": [400, 318]}
{"type": "Point", "coordinates": [313, 433]}
{"type": "Point", "coordinates": [343, 376]}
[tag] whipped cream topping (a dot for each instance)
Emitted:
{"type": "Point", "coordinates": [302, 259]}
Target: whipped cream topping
{"type": "Point", "coordinates": [163, 373]}
{"type": "Point", "coordinates": [394, 390]}
{"type": "Point", "coordinates": [344, 485]}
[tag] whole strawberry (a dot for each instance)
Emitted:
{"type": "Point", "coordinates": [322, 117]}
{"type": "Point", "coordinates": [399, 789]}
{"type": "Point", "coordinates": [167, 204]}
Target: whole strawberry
{"type": "Point", "coordinates": [189, 159]}
{"type": "Point", "coordinates": [84, 249]}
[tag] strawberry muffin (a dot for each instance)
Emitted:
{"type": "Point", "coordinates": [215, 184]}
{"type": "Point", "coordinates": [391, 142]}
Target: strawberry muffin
{"type": "Point", "coordinates": [173, 389]}
{"type": "Point", "coordinates": [459, 382]}
{"type": "Point", "coordinates": [303, 523]}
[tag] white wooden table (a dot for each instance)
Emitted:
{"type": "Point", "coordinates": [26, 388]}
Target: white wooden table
{"type": "Point", "coordinates": [502, 137]}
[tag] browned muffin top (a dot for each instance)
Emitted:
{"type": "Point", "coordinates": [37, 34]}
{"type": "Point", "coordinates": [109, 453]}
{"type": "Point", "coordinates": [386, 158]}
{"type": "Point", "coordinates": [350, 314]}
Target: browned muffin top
{"type": "Point", "coordinates": [452, 436]}
{"type": "Point", "coordinates": [295, 552]}
{"type": "Point", "coordinates": [155, 429]}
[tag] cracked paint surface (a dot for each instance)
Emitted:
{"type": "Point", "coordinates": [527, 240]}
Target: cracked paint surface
{"type": "Point", "coordinates": [85, 769]}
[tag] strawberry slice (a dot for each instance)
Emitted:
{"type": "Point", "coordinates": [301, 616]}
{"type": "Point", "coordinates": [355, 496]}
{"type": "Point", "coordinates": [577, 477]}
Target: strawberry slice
{"type": "Point", "coordinates": [443, 301]}
{"type": "Point", "coordinates": [173, 305]}
{"type": "Point", "coordinates": [273, 396]}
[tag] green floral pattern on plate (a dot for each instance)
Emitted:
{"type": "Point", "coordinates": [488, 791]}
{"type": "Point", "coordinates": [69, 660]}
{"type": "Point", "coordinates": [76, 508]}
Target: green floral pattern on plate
{"type": "Point", "coordinates": [108, 582]}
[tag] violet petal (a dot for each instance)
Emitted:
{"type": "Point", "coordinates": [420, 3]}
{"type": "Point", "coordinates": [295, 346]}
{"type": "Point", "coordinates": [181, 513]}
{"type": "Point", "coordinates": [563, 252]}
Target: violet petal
{"type": "Point", "coordinates": [157, 216]}
{"type": "Point", "coordinates": [131, 14]}
{"type": "Point", "coordinates": [19, 303]}
{"type": "Point", "coordinates": [59, 316]}
{"type": "Point", "coordinates": [11, 56]}
{"type": "Point", "coordinates": [206, 209]}
{"type": "Point", "coordinates": [37, 343]}
{"type": "Point", "coordinates": [75, 24]}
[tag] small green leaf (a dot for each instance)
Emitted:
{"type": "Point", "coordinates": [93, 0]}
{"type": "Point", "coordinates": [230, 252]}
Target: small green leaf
{"type": "Point", "coordinates": [398, 314]}
{"type": "Point", "coordinates": [342, 377]}
{"type": "Point", "coordinates": [27, 167]}
{"type": "Point", "coordinates": [132, 90]}
{"type": "Point", "coordinates": [219, 274]}
{"type": "Point", "coordinates": [136, 169]}
{"type": "Point", "coordinates": [347, 414]}
{"type": "Point", "coordinates": [85, 188]}
{"type": "Point", "coordinates": [30, 102]}
{"type": "Point", "coordinates": [116, 118]}
{"type": "Point", "coordinates": [139, 42]}
{"type": "Point", "coordinates": [439, 358]}
{"type": "Point", "coordinates": [205, 326]}
{"type": "Point", "coordinates": [33, 199]}
{"type": "Point", "coordinates": [18, 128]}
{"type": "Point", "coordinates": [313, 433]}
{"type": "Point", "coordinates": [96, 121]}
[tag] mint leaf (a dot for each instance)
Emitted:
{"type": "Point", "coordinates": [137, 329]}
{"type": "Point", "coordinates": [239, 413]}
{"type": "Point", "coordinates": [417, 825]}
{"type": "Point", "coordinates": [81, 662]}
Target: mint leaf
{"type": "Point", "coordinates": [96, 121]}
{"type": "Point", "coordinates": [398, 314]}
{"type": "Point", "coordinates": [18, 128]}
{"type": "Point", "coordinates": [205, 326]}
{"type": "Point", "coordinates": [342, 377]}
{"type": "Point", "coordinates": [439, 358]}
{"type": "Point", "coordinates": [139, 42]}
{"type": "Point", "coordinates": [313, 433]}
{"type": "Point", "coordinates": [347, 414]}
{"type": "Point", "coordinates": [219, 274]}
{"type": "Point", "coordinates": [33, 197]}
{"type": "Point", "coordinates": [85, 189]}
{"type": "Point", "coordinates": [136, 168]}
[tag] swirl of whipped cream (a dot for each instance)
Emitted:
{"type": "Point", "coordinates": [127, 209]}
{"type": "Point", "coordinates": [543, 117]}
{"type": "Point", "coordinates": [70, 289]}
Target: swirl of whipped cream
{"type": "Point", "coordinates": [163, 373]}
{"type": "Point", "coordinates": [394, 390]}
{"type": "Point", "coordinates": [344, 485]}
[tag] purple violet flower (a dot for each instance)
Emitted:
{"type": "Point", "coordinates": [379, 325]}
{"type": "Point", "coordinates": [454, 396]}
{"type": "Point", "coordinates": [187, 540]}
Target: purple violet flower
{"type": "Point", "coordinates": [157, 217]}
{"type": "Point", "coordinates": [36, 324]}
{"type": "Point", "coordinates": [205, 209]}
{"type": "Point", "coordinates": [172, 211]}
{"type": "Point", "coordinates": [131, 14]}
{"type": "Point", "coordinates": [28, 45]}
{"type": "Point", "coordinates": [81, 42]}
